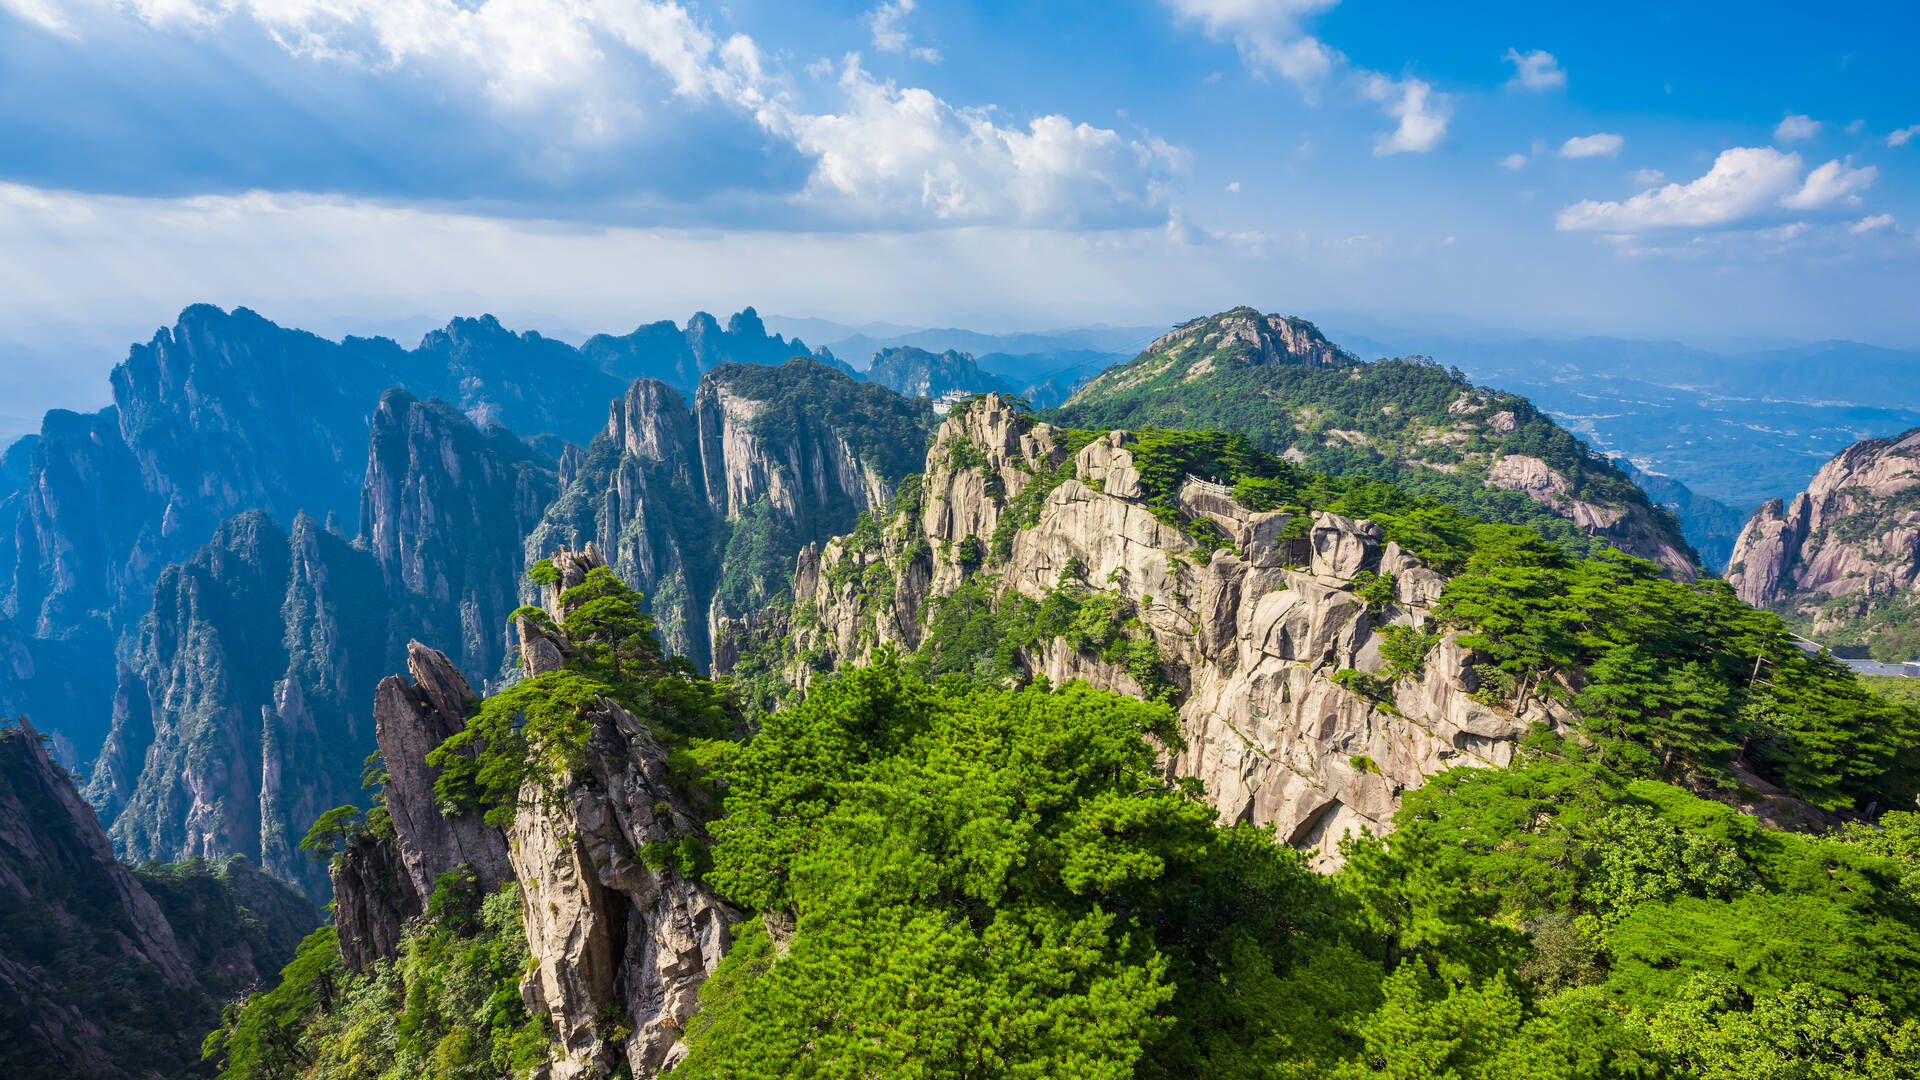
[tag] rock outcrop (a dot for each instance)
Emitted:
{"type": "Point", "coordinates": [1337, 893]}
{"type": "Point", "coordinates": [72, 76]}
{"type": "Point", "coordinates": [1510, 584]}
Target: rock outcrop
{"type": "Point", "coordinates": [222, 413]}
{"type": "Point", "coordinates": [610, 919]}
{"type": "Point", "coordinates": [411, 718]}
{"type": "Point", "coordinates": [1844, 549]}
{"type": "Point", "coordinates": [702, 506]}
{"type": "Point", "coordinates": [1250, 635]}
{"type": "Point", "coordinates": [918, 373]}
{"type": "Point", "coordinates": [622, 938]}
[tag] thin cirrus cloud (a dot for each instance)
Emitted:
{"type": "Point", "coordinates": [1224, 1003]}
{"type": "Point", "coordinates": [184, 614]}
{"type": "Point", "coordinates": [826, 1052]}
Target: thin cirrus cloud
{"type": "Point", "coordinates": [1537, 71]}
{"type": "Point", "coordinates": [1744, 183]}
{"type": "Point", "coordinates": [1588, 146]}
{"type": "Point", "coordinates": [573, 82]}
{"type": "Point", "coordinates": [886, 22]}
{"type": "Point", "coordinates": [1272, 38]}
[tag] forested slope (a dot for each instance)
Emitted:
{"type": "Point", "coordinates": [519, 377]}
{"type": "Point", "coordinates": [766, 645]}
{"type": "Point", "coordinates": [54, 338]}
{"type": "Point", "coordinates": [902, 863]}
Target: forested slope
{"type": "Point", "coordinates": [1426, 428]}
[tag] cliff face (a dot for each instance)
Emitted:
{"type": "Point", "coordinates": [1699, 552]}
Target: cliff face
{"type": "Point", "coordinates": [219, 414]}
{"type": "Point", "coordinates": [103, 973]}
{"type": "Point", "coordinates": [240, 718]}
{"type": "Point", "coordinates": [241, 713]}
{"type": "Point", "coordinates": [1249, 638]}
{"type": "Point", "coordinates": [1843, 558]}
{"type": "Point", "coordinates": [614, 928]}
{"type": "Point", "coordinates": [1281, 383]}
{"type": "Point", "coordinates": [701, 507]}
{"type": "Point", "coordinates": [444, 509]}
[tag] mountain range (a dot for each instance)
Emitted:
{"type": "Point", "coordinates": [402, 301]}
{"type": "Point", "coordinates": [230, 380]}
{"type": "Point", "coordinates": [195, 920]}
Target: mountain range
{"type": "Point", "coordinates": [726, 670]}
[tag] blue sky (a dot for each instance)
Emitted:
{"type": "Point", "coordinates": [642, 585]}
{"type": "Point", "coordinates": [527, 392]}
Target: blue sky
{"type": "Point", "coordinates": [1631, 169]}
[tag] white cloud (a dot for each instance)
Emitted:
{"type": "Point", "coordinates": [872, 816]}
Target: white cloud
{"type": "Point", "coordinates": [890, 36]}
{"type": "Point", "coordinates": [1422, 113]}
{"type": "Point", "coordinates": [1586, 146]}
{"type": "Point", "coordinates": [886, 154]}
{"type": "Point", "coordinates": [1272, 39]}
{"type": "Point", "coordinates": [1645, 178]}
{"type": "Point", "coordinates": [1745, 182]}
{"type": "Point", "coordinates": [1234, 186]}
{"type": "Point", "coordinates": [906, 150]}
{"type": "Point", "coordinates": [42, 13]}
{"type": "Point", "coordinates": [1516, 162]}
{"type": "Point", "coordinates": [1871, 223]}
{"type": "Point", "coordinates": [1900, 138]}
{"type": "Point", "coordinates": [1269, 34]}
{"type": "Point", "coordinates": [1796, 128]}
{"type": "Point", "coordinates": [1834, 182]}
{"type": "Point", "coordinates": [1536, 70]}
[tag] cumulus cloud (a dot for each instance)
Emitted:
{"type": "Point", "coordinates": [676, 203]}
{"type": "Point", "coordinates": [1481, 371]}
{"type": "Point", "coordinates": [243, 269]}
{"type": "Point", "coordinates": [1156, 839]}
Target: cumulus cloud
{"type": "Point", "coordinates": [1516, 162]}
{"type": "Point", "coordinates": [1871, 223]}
{"type": "Point", "coordinates": [1422, 113]}
{"type": "Point", "coordinates": [1836, 182]}
{"type": "Point", "coordinates": [907, 149]}
{"type": "Point", "coordinates": [1536, 70]}
{"type": "Point", "coordinates": [889, 35]}
{"type": "Point", "coordinates": [1900, 138]}
{"type": "Point", "coordinates": [1796, 128]}
{"type": "Point", "coordinates": [1586, 146]}
{"type": "Point", "coordinates": [884, 154]}
{"type": "Point", "coordinates": [1645, 178]}
{"type": "Point", "coordinates": [1744, 183]}
{"type": "Point", "coordinates": [1272, 38]}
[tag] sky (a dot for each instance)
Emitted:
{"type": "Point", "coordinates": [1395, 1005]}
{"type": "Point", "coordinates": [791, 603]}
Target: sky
{"type": "Point", "coordinates": [1629, 169]}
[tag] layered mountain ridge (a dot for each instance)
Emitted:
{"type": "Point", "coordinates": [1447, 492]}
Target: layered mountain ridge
{"type": "Point", "coordinates": [226, 412]}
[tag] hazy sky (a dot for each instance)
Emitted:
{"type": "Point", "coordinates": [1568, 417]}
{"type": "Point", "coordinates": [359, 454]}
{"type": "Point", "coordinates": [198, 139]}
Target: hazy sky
{"type": "Point", "coordinates": [1634, 169]}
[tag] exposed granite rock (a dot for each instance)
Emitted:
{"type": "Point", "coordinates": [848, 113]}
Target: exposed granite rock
{"type": "Point", "coordinates": [702, 506]}
{"type": "Point", "coordinates": [1250, 636]}
{"type": "Point", "coordinates": [1628, 526]}
{"type": "Point", "coordinates": [373, 899]}
{"type": "Point", "coordinates": [1853, 536]}
{"type": "Point", "coordinates": [609, 921]}
{"type": "Point", "coordinates": [916, 372]}
{"type": "Point", "coordinates": [614, 928]}
{"type": "Point", "coordinates": [222, 413]}
{"type": "Point", "coordinates": [411, 718]}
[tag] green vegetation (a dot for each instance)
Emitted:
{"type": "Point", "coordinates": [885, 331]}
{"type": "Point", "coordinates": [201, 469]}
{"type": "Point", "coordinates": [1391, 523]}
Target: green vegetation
{"type": "Point", "coordinates": [1885, 625]}
{"type": "Point", "coordinates": [961, 881]}
{"type": "Point", "coordinates": [1894, 688]}
{"type": "Point", "coordinates": [977, 632]}
{"type": "Point", "coordinates": [1680, 678]}
{"type": "Point", "coordinates": [1390, 420]}
{"type": "Point", "coordinates": [446, 1008]}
